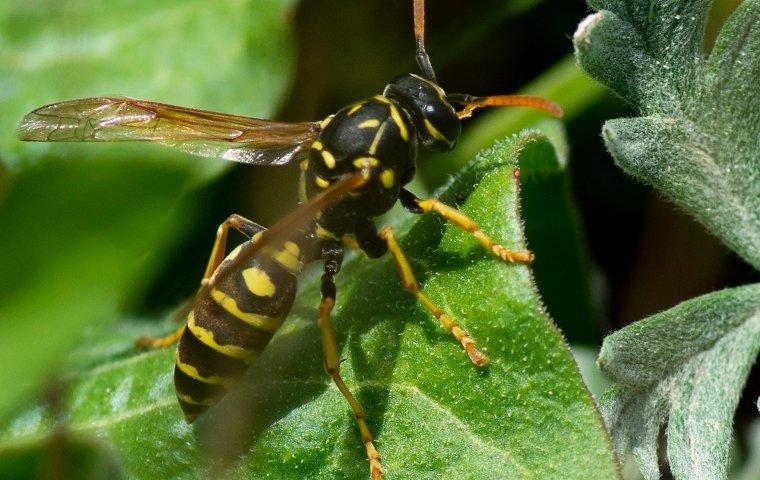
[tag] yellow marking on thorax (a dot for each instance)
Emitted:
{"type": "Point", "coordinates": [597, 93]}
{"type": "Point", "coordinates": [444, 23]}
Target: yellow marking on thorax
{"type": "Point", "coordinates": [366, 162]}
{"type": "Point", "coordinates": [435, 133]}
{"type": "Point", "coordinates": [396, 116]}
{"type": "Point", "coordinates": [387, 178]}
{"type": "Point", "coordinates": [371, 123]}
{"type": "Point", "coordinates": [209, 402]}
{"type": "Point", "coordinates": [192, 372]}
{"type": "Point", "coordinates": [376, 140]}
{"type": "Point", "coordinates": [328, 158]}
{"type": "Point", "coordinates": [317, 145]}
{"type": "Point", "coordinates": [355, 109]}
{"type": "Point", "coordinates": [322, 232]}
{"type": "Point", "coordinates": [261, 322]}
{"type": "Point", "coordinates": [440, 92]}
{"type": "Point", "coordinates": [324, 123]}
{"type": "Point", "coordinates": [207, 337]}
{"type": "Point", "coordinates": [381, 98]}
{"type": "Point", "coordinates": [259, 282]}
{"type": "Point", "coordinates": [321, 182]}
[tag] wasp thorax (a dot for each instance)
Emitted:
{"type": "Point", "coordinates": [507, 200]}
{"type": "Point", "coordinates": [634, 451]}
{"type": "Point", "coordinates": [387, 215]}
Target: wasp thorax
{"type": "Point", "coordinates": [434, 118]}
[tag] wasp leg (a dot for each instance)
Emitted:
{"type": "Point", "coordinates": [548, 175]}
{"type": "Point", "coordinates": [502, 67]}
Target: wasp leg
{"type": "Point", "coordinates": [239, 223]}
{"type": "Point", "coordinates": [350, 242]}
{"type": "Point", "coordinates": [332, 256]}
{"type": "Point", "coordinates": [161, 342]}
{"type": "Point", "coordinates": [418, 205]}
{"type": "Point", "coordinates": [410, 283]}
{"type": "Point", "coordinates": [368, 239]}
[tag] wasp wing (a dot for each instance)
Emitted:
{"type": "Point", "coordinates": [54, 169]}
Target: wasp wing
{"type": "Point", "coordinates": [200, 132]}
{"type": "Point", "coordinates": [298, 219]}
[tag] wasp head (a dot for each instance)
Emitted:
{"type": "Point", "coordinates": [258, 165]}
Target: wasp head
{"type": "Point", "coordinates": [435, 120]}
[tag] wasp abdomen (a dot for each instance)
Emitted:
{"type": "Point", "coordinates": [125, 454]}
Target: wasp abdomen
{"type": "Point", "coordinates": [229, 328]}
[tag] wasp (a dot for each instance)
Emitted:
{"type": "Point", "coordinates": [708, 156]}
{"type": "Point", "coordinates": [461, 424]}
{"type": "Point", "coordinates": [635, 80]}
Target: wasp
{"type": "Point", "coordinates": [354, 166]}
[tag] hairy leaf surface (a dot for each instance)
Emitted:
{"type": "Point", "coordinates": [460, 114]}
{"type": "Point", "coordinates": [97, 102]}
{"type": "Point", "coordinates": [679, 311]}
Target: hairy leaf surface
{"type": "Point", "coordinates": [698, 142]}
{"type": "Point", "coordinates": [689, 365]}
{"type": "Point", "coordinates": [698, 139]}
{"type": "Point", "coordinates": [435, 415]}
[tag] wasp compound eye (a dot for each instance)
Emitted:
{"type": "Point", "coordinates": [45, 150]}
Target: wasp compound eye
{"type": "Point", "coordinates": [435, 120]}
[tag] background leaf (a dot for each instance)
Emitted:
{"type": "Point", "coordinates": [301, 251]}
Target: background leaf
{"type": "Point", "coordinates": [698, 142]}
{"type": "Point", "coordinates": [750, 470]}
{"type": "Point", "coordinates": [528, 415]}
{"type": "Point", "coordinates": [553, 225]}
{"type": "Point", "coordinates": [689, 365]}
{"type": "Point", "coordinates": [67, 208]}
{"type": "Point", "coordinates": [699, 138]}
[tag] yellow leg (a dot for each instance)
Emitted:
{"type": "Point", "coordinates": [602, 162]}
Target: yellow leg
{"type": "Point", "coordinates": [239, 223]}
{"type": "Point", "coordinates": [180, 315]}
{"type": "Point", "coordinates": [243, 225]}
{"type": "Point", "coordinates": [466, 223]}
{"type": "Point", "coordinates": [332, 365]}
{"type": "Point", "coordinates": [350, 242]}
{"type": "Point", "coordinates": [410, 283]}
{"type": "Point", "coordinates": [161, 342]}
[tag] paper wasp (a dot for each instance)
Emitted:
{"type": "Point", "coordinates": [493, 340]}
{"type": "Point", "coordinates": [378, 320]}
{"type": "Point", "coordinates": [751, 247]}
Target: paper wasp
{"type": "Point", "coordinates": [354, 166]}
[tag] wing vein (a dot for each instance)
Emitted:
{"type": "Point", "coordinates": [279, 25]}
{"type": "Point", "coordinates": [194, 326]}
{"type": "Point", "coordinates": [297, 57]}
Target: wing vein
{"type": "Point", "coordinates": [200, 132]}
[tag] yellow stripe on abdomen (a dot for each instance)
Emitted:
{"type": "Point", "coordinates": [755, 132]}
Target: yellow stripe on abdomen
{"type": "Point", "coordinates": [192, 372]}
{"type": "Point", "coordinates": [207, 337]}
{"type": "Point", "coordinates": [262, 322]}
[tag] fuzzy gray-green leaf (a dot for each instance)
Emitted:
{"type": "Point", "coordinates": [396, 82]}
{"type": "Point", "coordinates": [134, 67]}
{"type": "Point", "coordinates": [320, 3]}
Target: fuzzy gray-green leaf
{"type": "Point", "coordinates": [689, 365]}
{"type": "Point", "coordinates": [699, 139]}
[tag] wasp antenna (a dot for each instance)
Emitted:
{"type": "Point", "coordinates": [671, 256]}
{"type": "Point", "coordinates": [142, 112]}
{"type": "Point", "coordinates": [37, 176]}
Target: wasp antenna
{"type": "Point", "coordinates": [471, 103]}
{"type": "Point", "coordinates": [461, 98]}
{"type": "Point", "coordinates": [419, 35]}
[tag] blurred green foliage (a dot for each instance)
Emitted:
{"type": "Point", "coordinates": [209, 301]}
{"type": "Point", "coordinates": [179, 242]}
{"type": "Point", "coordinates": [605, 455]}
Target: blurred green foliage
{"type": "Point", "coordinates": [81, 223]}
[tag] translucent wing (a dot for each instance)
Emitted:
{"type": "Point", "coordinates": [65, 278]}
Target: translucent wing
{"type": "Point", "coordinates": [209, 134]}
{"type": "Point", "coordinates": [295, 220]}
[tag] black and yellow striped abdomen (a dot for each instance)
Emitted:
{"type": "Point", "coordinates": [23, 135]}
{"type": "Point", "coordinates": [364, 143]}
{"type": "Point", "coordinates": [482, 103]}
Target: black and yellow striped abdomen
{"type": "Point", "coordinates": [231, 326]}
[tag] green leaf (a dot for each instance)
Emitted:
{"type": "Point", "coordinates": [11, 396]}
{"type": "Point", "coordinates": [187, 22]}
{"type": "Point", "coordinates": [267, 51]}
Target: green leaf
{"type": "Point", "coordinates": [586, 357]}
{"type": "Point", "coordinates": [78, 222]}
{"type": "Point", "coordinates": [698, 140]}
{"type": "Point", "coordinates": [554, 234]}
{"type": "Point", "coordinates": [435, 415]}
{"type": "Point", "coordinates": [688, 365]}
{"type": "Point", "coordinates": [64, 456]}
